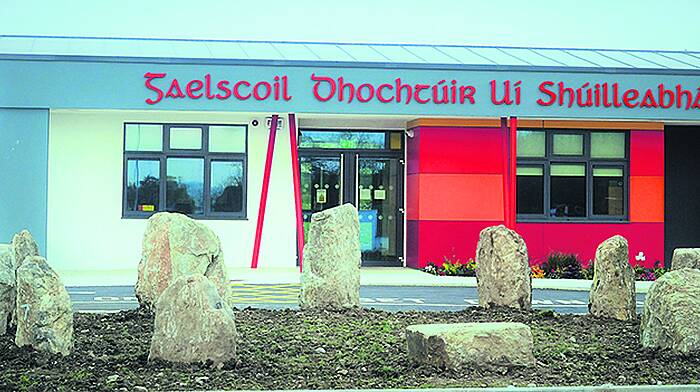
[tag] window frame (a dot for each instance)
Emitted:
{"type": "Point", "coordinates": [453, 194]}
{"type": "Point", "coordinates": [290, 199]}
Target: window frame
{"type": "Point", "coordinates": [202, 153]}
{"type": "Point", "coordinates": [550, 158]}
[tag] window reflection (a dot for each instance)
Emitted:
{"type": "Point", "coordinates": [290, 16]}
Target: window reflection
{"type": "Point", "coordinates": [185, 184]}
{"type": "Point", "coordinates": [142, 185]}
{"type": "Point", "coordinates": [568, 190]}
{"type": "Point", "coordinates": [226, 186]}
{"type": "Point", "coordinates": [342, 139]}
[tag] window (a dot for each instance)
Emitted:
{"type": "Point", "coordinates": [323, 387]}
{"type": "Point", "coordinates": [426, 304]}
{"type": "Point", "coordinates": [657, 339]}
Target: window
{"type": "Point", "coordinates": [572, 175]}
{"type": "Point", "coordinates": [198, 170]}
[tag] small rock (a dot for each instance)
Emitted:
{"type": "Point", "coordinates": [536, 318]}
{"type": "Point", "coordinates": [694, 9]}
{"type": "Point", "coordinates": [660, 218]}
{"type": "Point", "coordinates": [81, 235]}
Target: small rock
{"type": "Point", "coordinates": [321, 350]}
{"type": "Point", "coordinates": [201, 380]}
{"type": "Point", "coordinates": [470, 344]}
{"type": "Point", "coordinates": [572, 339]}
{"type": "Point", "coordinates": [343, 372]}
{"type": "Point", "coordinates": [193, 323]}
{"type": "Point", "coordinates": [685, 258]}
{"type": "Point", "coordinates": [44, 311]}
{"type": "Point", "coordinates": [112, 378]}
{"type": "Point", "coordinates": [671, 314]}
{"type": "Point", "coordinates": [139, 388]}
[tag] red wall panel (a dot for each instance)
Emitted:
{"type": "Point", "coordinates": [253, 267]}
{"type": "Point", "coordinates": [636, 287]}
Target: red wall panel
{"type": "Point", "coordinates": [461, 150]}
{"type": "Point", "coordinates": [646, 153]}
{"type": "Point", "coordinates": [583, 239]}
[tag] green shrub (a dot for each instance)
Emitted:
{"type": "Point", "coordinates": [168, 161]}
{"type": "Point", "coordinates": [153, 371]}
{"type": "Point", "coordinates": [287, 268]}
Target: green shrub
{"type": "Point", "coordinates": [562, 266]}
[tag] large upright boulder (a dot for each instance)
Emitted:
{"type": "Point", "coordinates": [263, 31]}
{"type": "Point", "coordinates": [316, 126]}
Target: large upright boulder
{"type": "Point", "coordinates": [7, 287]}
{"type": "Point", "coordinates": [612, 292]}
{"type": "Point", "coordinates": [331, 273]}
{"type": "Point", "coordinates": [23, 246]}
{"type": "Point", "coordinates": [175, 245]}
{"type": "Point", "coordinates": [502, 269]}
{"type": "Point", "coordinates": [193, 323]}
{"type": "Point", "coordinates": [44, 312]}
{"type": "Point", "coordinates": [671, 315]}
{"type": "Point", "coordinates": [685, 258]}
{"type": "Point", "coordinates": [470, 344]}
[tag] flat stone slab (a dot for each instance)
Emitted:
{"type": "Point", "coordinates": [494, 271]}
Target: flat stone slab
{"type": "Point", "coordinates": [474, 344]}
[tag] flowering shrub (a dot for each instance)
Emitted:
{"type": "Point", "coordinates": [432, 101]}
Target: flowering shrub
{"type": "Point", "coordinates": [452, 268]}
{"type": "Point", "coordinates": [536, 271]}
{"type": "Point", "coordinates": [649, 274]}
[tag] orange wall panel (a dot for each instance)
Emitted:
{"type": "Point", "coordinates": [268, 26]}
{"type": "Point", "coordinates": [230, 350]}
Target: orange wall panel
{"type": "Point", "coordinates": [646, 199]}
{"type": "Point", "coordinates": [461, 197]}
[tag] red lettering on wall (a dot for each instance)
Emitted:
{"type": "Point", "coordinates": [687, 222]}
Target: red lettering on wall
{"type": "Point", "coordinates": [149, 78]}
{"type": "Point", "coordinates": [192, 87]}
{"type": "Point", "coordinates": [552, 96]}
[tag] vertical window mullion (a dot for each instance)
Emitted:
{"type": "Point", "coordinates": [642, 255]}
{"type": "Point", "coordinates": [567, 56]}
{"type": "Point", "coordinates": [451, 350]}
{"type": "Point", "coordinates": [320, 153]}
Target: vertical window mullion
{"type": "Point", "coordinates": [207, 185]}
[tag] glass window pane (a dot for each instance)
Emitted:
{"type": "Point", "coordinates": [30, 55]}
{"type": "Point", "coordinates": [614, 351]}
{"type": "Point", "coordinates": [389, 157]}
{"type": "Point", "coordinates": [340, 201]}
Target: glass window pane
{"type": "Point", "coordinates": [144, 137]}
{"type": "Point", "coordinates": [142, 185]}
{"type": "Point", "coordinates": [227, 138]}
{"type": "Point", "coordinates": [186, 138]}
{"type": "Point", "coordinates": [226, 186]}
{"type": "Point", "coordinates": [530, 190]}
{"type": "Point", "coordinates": [568, 190]}
{"type": "Point", "coordinates": [607, 145]}
{"type": "Point", "coordinates": [185, 186]}
{"type": "Point", "coordinates": [530, 144]}
{"type": "Point", "coordinates": [395, 141]}
{"type": "Point", "coordinates": [342, 139]}
{"type": "Point", "coordinates": [568, 144]}
{"type": "Point", "coordinates": [608, 191]}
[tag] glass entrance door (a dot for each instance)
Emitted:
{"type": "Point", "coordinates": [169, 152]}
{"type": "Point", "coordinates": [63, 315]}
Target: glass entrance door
{"type": "Point", "coordinates": [379, 204]}
{"type": "Point", "coordinates": [321, 185]}
{"type": "Point", "coordinates": [373, 184]}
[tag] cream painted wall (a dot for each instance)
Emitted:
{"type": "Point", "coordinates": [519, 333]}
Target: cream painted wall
{"type": "Point", "coordinates": [85, 229]}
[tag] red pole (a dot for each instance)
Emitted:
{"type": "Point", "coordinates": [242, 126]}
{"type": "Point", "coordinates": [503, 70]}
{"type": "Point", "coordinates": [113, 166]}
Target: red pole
{"type": "Point", "coordinates": [513, 169]}
{"type": "Point", "coordinates": [506, 172]}
{"type": "Point", "coordinates": [297, 186]}
{"type": "Point", "coordinates": [263, 192]}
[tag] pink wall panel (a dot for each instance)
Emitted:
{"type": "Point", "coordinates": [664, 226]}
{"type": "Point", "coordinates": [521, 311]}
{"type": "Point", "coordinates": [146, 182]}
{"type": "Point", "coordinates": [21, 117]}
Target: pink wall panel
{"type": "Point", "coordinates": [645, 239]}
{"type": "Point", "coordinates": [413, 192]}
{"type": "Point", "coordinates": [646, 153]}
{"type": "Point", "coordinates": [461, 150]}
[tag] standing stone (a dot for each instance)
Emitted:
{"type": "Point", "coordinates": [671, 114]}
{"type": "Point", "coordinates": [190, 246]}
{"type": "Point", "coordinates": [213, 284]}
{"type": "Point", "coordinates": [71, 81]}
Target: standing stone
{"type": "Point", "coordinates": [470, 344]}
{"type": "Point", "coordinates": [193, 323]}
{"type": "Point", "coordinates": [612, 292]}
{"type": "Point", "coordinates": [502, 269]}
{"type": "Point", "coordinates": [23, 246]}
{"type": "Point", "coordinates": [7, 287]}
{"type": "Point", "coordinates": [44, 312]}
{"type": "Point", "coordinates": [685, 258]}
{"type": "Point", "coordinates": [331, 273]}
{"type": "Point", "coordinates": [175, 245]}
{"type": "Point", "coordinates": [671, 315]}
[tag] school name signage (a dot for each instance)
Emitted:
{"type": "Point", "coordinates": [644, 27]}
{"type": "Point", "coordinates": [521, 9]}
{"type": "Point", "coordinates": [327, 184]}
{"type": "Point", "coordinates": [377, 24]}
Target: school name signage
{"type": "Point", "coordinates": [398, 91]}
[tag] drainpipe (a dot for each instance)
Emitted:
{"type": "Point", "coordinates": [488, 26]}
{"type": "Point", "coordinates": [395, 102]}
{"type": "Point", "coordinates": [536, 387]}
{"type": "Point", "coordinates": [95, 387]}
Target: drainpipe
{"type": "Point", "coordinates": [513, 136]}
{"type": "Point", "coordinates": [506, 171]}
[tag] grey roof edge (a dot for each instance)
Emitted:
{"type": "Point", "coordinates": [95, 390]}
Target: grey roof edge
{"type": "Point", "coordinates": [692, 52]}
{"type": "Point", "coordinates": [349, 64]}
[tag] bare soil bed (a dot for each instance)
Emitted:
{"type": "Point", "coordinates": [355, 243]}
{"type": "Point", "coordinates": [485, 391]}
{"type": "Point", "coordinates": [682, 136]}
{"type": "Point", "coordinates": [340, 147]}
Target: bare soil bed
{"type": "Point", "coordinates": [290, 349]}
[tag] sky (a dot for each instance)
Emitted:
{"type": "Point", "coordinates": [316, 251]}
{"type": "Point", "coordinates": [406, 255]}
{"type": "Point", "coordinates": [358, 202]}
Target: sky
{"type": "Point", "coordinates": [620, 24]}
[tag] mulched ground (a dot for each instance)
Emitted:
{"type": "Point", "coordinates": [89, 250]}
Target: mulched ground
{"type": "Point", "coordinates": [290, 349]}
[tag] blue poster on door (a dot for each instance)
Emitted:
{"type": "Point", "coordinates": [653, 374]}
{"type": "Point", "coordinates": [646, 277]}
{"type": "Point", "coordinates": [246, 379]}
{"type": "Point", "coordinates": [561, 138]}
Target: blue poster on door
{"type": "Point", "coordinates": [368, 229]}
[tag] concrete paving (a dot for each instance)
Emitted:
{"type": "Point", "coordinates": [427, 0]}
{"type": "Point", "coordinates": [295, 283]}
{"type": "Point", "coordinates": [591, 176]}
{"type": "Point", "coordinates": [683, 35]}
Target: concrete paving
{"type": "Point", "coordinates": [369, 276]}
